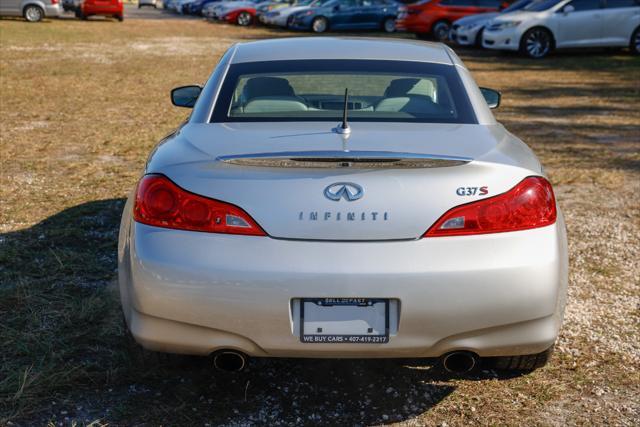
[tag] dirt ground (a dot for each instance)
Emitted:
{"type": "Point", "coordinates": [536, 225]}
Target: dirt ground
{"type": "Point", "coordinates": [81, 106]}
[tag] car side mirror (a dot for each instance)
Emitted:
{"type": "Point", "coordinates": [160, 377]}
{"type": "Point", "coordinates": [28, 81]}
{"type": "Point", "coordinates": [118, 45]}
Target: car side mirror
{"type": "Point", "coordinates": [492, 97]}
{"type": "Point", "coordinates": [568, 9]}
{"type": "Point", "coordinates": [185, 96]}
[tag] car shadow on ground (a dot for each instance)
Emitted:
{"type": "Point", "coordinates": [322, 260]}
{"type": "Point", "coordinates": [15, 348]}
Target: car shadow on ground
{"type": "Point", "coordinates": [70, 354]}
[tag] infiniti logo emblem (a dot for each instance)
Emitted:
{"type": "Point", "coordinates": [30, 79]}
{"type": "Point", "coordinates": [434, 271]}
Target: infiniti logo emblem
{"type": "Point", "coordinates": [343, 190]}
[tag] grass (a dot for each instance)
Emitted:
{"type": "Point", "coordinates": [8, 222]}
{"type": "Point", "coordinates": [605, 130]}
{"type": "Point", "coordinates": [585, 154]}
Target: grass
{"type": "Point", "coordinates": [81, 106]}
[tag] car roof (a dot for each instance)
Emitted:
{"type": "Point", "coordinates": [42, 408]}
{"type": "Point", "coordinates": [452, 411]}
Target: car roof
{"type": "Point", "coordinates": [378, 48]}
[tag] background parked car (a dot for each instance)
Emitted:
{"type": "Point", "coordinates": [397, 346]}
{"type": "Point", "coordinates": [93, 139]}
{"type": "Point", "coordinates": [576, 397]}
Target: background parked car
{"type": "Point", "coordinates": [238, 12]}
{"type": "Point", "coordinates": [112, 8]}
{"type": "Point", "coordinates": [152, 3]}
{"type": "Point", "coordinates": [271, 5]}
{"type": "Point", "coordinates": [555, 24]}
{"type": "Point", "coordinates": [196, 7]}
{"type": "Point", "coordinates": [347, 15]}
{"type": "Point", "coordinates": [433, 18]}
{"type": "Point", "coordinates": [211, 10]}
{"type": "Point", "coordinates": [69, 5]}
{"type": "Point", "coordinates": [467, 31]}
{"type": "Point", "coordinates": [31, 10]}
{"type": "Point", "coordinates": [281, 17]}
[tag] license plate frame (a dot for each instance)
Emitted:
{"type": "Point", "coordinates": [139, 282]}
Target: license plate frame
{"type": "Point", "coordinates": [345, 338]}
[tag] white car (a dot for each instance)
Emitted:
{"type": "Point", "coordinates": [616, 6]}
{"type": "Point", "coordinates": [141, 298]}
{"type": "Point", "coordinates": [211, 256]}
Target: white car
{"type": "Point", "coordinates": [545, 25]}
{"type": "Point", "coordinates": [467, 31]}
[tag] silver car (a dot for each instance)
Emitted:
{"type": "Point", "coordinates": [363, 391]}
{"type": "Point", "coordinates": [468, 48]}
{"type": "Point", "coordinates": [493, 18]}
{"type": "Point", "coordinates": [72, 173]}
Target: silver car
{"type": "Point", "coordinates": [31, 10]}
{"type": "Point", "coordinates": [343, 198]}
{"type": "Point", "coordinates": [468, 31]}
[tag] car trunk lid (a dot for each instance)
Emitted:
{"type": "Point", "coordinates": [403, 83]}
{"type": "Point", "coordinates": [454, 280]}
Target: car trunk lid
{"type": "Point", "coordinates": [382, 182]}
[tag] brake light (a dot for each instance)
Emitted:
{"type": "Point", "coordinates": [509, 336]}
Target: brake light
{"type": "Point", "coordinates": [54, 1]}
{"type": "Point", "coordinates": [530, 204]}
{"type": "Point", "coordinates": [161, 203]}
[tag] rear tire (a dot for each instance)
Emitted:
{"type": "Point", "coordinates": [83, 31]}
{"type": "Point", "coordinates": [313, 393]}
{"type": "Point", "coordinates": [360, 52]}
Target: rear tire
{"type": "Point", "coordinates": [120, 18]}
{"type": "Point", "coordinates": [320, 25]}
{"type": "Point", "coordinates": [33, 13]}
{"type": "Point", "coordinates": [634, 45]}
{"type": "Point", "coordinates": [536, 43]}
{"type": "Point", "coordinates": [527, 362]}
{"type": "Point", "coordinates": [389, 25]}
{"type": "Point", "coordinates": [440, 31]}
{"type": "Point", "coordinates": [244, 19]}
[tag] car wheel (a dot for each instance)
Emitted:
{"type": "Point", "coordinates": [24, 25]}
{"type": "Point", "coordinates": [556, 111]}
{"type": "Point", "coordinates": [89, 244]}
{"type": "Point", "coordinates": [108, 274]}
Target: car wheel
{"type": "Point", "coordinates": [389, 25]}
{"type": "Point", "coordinates": [635, 42]}
{"type": "Point", "coordinates": [120, 18]}
{"type": "Point", "coordinates": [319, 25]}
{"type": "Point", "coordinates": [243, 19]}
{"type": "Point", "coordinates": [441, 30]}
{"type": "Point", "coordinates": [536, 43]}
{"type": "Point", "coordinates": [33, 13]}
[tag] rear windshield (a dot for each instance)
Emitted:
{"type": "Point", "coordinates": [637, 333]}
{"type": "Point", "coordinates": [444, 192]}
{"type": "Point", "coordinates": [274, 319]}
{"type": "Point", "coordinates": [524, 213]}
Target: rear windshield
{"type": "Point", "coordinates": [313, 90]}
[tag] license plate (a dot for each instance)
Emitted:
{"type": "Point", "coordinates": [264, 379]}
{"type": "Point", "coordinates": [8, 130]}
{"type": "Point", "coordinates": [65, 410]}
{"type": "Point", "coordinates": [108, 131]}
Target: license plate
{"type": "Point", "coordinates": [344, 320]}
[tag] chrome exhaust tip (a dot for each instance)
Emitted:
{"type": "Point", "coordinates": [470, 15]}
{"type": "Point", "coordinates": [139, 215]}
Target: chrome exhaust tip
{"type": "Point", "coordinates": [229, 361]}
{"type": "Point", "coordinates": [459, 362]}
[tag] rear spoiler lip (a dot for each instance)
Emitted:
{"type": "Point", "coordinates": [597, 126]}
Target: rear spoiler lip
{"type": "Point", "coordinates": [337, 158]}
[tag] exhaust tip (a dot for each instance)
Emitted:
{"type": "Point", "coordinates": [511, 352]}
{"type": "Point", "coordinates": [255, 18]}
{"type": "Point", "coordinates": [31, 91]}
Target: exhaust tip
{"type": "Point", "coordinates": [229, 361]}
{"type": "Point", "coordinates": [459, 362]}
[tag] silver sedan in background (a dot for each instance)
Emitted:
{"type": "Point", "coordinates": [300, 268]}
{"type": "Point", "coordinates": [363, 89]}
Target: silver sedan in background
{"type": "Point", "coordinates": [344, 197]}
{"type": "Point", "coordinates": [31, 10]}
{"type": "Point", "coordinates": [468, 31]}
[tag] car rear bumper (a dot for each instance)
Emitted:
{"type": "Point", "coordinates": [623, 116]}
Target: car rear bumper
{"type": "Point", "coordinates": [195, 293]}
{"type": "Point", "coordinates": [501, 40]}
{"type": "Point", "coordinates": [52, 10]}
{"type": "Point", "coordinates": [413, 24]}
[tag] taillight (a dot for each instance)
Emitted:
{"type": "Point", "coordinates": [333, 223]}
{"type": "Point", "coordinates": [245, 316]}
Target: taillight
{"type": "Point", "coordinates": [530, 204]}
{"type": "Point", "coordinates": [161, 203]}
{"type": "Point", "coordinates": [54, 1]}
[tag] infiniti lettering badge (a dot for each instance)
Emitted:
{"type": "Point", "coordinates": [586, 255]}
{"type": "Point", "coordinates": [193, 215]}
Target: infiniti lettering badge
{"type": "Point", "coordinates": [343, 190]}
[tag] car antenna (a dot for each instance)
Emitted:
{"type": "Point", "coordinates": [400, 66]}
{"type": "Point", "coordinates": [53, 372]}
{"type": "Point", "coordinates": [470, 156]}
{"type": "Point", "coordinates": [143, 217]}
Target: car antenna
{"type": "Point", "coordinates": [344, 126]}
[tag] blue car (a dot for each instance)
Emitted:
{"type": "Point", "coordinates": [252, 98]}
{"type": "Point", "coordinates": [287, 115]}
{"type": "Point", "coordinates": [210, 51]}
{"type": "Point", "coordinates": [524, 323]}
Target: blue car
{"type": "Point", "coordinates": [323, 15]}
{"type": "Point", "coordinates": [196, 7]}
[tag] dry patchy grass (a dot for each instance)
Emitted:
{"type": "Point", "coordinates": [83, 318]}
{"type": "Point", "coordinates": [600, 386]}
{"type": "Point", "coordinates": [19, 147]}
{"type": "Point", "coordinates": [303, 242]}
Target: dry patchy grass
{"type": "Point", "coordinates": [83, 103]}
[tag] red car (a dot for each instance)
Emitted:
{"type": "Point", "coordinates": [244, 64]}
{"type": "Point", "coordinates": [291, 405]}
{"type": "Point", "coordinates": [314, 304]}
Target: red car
{"type": "Point", "coordinates": [241, 12]}
{"type": "Point", "coordinates": [113, 8]}
{"type": "Point", "coordinates": [433, 18]}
